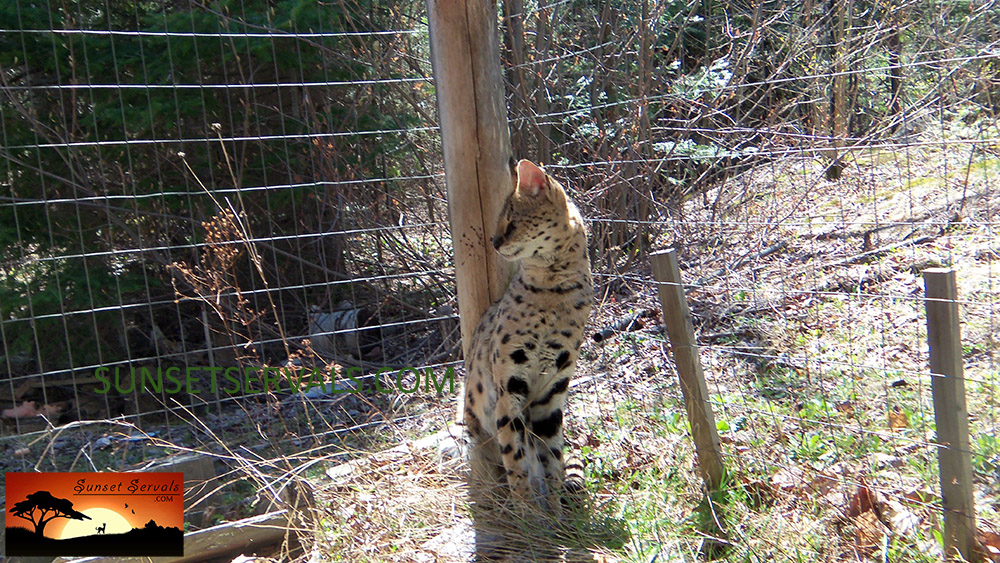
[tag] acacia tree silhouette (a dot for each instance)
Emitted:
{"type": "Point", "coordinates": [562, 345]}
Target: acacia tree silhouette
{"type": "Point", "coordinates": [41, 507]}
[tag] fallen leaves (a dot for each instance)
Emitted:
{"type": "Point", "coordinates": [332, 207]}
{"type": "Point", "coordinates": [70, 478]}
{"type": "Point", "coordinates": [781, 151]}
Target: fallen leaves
{"type": "Point", "coordinates": [989, 545]}
{"type": "Point", "coordinates": [869, 516]}
{"type": "Point", "coordinates": [873, 517]}
{"type": "Point", "coordinates": [846, 407]}
{"type": "Point", "coordinates": [862, 501]}
{"type": "Point", "coordinates": [898, 420]}
{"type": "Point", "coordinates": [795, 480]}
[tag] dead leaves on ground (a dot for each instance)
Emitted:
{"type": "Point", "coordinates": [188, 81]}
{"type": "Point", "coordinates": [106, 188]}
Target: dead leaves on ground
{"type": "Point", "coordinates": [873, 517]}
{"type": "Point", "coordinates": [989, 546]}
{"type": "Point", "coordinates": [898, 419]}
{"type": "Point", "coordinates": [869, 516]}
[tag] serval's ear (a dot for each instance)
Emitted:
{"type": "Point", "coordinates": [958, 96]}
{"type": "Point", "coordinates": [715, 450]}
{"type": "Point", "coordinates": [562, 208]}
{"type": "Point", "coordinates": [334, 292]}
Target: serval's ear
{"type": "Point", "coordinates": [531, 180]}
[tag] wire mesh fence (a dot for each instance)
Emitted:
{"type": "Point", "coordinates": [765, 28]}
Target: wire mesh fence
{"type": "Point", "coordinates": [193, 187]}
{"type": "Point", "coordinates": [205, 187]}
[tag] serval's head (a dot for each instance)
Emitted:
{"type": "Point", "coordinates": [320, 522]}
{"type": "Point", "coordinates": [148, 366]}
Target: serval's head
{"type": "Point", "coordinates": [538, 220]}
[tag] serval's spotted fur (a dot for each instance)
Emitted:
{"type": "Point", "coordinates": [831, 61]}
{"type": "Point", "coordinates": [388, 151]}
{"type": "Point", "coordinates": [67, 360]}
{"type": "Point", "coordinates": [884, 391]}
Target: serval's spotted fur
{"type": "Point", "coordinates": [525, 348]}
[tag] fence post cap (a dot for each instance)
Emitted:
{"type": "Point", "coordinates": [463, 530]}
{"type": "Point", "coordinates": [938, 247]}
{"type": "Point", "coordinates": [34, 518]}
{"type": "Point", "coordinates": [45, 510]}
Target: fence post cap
{"type": "Point", "coordinates": [664, 251]}
{"type": "Point", "coordinates": [938, 270]}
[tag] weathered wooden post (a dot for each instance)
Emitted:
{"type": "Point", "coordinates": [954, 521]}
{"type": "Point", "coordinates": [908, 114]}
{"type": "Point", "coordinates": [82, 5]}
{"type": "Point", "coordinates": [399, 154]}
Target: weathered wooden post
{"type": "Point", "coordinates": [950, 416]}
{"type": "Point", "coordinates": [677, 318]}
{"type": "Point", "coordinates": [465, 54]}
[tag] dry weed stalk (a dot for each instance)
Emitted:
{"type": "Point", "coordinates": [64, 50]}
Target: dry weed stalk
{"type": "Point", "coordinates": [212, 280]}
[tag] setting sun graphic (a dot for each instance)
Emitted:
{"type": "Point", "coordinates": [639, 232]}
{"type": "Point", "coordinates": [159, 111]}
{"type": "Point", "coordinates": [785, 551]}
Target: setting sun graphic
{"type": "Point", "coordinates": [105, 514]}
{"type": "Point", "coordinates": [113, 523]}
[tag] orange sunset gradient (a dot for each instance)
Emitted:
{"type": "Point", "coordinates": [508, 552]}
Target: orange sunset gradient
{"type": "Point", "coordinates": [103, 507]}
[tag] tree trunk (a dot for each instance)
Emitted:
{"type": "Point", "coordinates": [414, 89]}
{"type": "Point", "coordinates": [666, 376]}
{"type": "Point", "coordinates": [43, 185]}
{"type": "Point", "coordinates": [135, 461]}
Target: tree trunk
{"type": "Point", "coordinates": [543, 39]}
{"type": "Point", "coordinates": [839, 14]}
{"type": "Point", "coordinates": [514, 60]}
{"type": "Point", "coordinates": [895, 77]}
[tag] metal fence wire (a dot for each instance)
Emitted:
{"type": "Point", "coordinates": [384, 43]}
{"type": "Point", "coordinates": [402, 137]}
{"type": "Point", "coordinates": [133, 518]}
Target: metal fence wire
{"type": "Point", "coordinates": [224, 224]}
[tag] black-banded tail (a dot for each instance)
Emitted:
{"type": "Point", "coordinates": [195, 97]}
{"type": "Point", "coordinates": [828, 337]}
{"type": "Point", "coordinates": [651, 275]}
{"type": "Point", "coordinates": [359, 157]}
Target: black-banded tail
{"type": "Point", "coordinates": [573, 481]}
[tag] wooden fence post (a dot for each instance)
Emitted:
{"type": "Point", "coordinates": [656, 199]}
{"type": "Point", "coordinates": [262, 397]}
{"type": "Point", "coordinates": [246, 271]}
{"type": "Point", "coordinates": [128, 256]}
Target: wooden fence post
{"type": "Point", "coordinates": [465, 54]}
{"type": "Point", "coordinates": [677, 318]}
{"type": "Point", "coordinates": [952, 420]}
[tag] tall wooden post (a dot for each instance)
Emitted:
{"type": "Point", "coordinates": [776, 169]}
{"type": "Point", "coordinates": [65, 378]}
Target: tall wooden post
{"type": "Point", "coordinates": [950, 416]}
{"type": "Point", "coordinates": [677, 318]}
{"type": "Point", "coordinates": [465, 54]}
